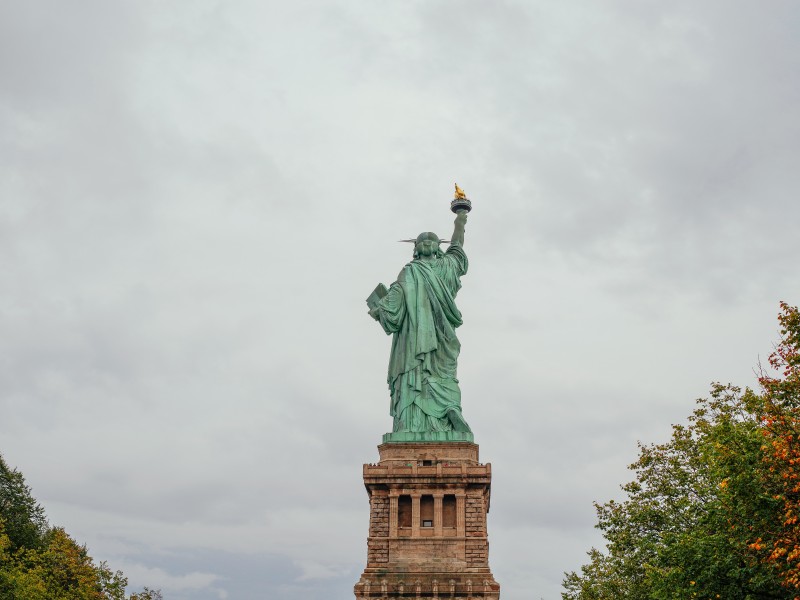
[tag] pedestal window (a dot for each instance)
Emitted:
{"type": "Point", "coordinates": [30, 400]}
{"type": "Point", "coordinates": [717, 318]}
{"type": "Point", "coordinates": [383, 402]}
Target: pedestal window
{"type": "Point", "coordinates": [449, 511]}
{"type": "Point", "coordinates": [404, 512]}
{"type": "Point", "coordinates": [426, 511]}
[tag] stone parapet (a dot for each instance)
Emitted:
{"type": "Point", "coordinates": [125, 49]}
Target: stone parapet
{"type": "Point", "coordinates": [455, 452]}
{"type": "Point", "coordinates": [402, 471]}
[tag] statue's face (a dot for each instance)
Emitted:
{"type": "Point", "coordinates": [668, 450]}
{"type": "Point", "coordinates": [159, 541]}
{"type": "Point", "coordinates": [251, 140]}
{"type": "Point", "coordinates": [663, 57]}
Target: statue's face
{"type": "Point", "coordinates": [427, 244]}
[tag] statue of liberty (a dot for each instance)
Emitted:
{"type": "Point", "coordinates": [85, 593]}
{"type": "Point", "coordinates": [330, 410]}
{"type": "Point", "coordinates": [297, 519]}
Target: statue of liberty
{"type": "Point", "coordinates": [420, 312]}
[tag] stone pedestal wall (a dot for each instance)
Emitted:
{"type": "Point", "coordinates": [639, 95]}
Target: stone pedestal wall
{"type": "Point", "coordinates": [416, 554]}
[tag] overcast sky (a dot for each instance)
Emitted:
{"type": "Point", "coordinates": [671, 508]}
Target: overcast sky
{"type": "Point", "coordinates": [197, 196]}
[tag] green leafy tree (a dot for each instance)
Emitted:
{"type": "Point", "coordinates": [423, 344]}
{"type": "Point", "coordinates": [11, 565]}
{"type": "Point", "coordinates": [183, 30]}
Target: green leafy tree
{"type": "Point", "coordinates": [24, 520]}
{"type": "Point", "coordinates": [38, 562]}
{"type": "Point", "coordinates": [147, 594]}
{"type": "Point", "coordinates": [64, 569]}
{"type": "Point", "coordinates": [113, 583]}
{"type": "Point", "coordinates": [715, 511]}
{"type": "Point", "coordinates": [690, 516]}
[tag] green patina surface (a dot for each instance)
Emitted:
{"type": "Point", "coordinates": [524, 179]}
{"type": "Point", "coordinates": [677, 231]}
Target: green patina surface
{"type": "Point", "coordinates": [419, 311]}
{"type": "Point", "coordinates": [428, 436]}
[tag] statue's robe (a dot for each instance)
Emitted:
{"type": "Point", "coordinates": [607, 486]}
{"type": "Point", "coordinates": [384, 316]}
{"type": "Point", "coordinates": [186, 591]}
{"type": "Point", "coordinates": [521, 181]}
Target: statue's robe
{"type": "Point", "coordinates": [419, 310]}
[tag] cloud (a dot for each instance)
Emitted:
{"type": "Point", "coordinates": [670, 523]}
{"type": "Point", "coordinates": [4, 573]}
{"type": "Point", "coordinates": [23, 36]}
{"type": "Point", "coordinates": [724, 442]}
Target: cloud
{"type": "Point", "coordinates": [159, 579]}
{"type": "Point", "coordinates": [196, 199]}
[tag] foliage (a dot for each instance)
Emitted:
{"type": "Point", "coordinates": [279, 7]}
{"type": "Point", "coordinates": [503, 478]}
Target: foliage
{"type": "Point", "coordinates": [113, 583]}
{"type": "Point", "coordinates": [24, 520]}
{"type": "Point", "coordinates": [147, 594]}
{"type": "Point", "coordinates": [38, 562]}
{"type": "Point", "coordinates": [781, 420]}
{"type": "Point", "coordinates": [59, 570]}
{"type": "Point", "coordinates": [686, 526]}
{"type": "Point", "coordinates": [715, 511]}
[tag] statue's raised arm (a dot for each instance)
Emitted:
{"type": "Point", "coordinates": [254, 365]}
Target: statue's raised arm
{"type": "Point", "coordinates": [458, 230]}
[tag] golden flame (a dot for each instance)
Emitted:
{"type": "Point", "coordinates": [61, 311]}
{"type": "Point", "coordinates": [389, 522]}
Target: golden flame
{"type": "Point", "coordinates": [459, 193]}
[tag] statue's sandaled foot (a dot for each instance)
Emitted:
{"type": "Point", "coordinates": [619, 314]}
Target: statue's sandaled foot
{"type": "Point", "coordinates": [458, 422]}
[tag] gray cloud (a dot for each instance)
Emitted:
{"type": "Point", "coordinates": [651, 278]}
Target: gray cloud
{"type": "Point", "coordinates": [195, 200]}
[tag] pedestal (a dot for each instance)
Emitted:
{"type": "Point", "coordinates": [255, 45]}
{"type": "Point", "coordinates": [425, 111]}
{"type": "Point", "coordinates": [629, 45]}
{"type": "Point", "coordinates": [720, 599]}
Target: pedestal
{"type": "Point", "coordinates": [427, 528]}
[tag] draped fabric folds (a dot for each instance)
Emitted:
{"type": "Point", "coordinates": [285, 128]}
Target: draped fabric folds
{"type": "Point", "coordinates": [420, 312]}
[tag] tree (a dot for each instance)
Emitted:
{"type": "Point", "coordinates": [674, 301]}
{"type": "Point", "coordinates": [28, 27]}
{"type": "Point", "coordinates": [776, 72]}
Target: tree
{"type": "Point", "coordinates": [686, 527]}
{"type": "Point", "coordinates": [781, 448]}
{"type": "Point", "coordinates": [147, 594]}
{"type": "Point", "coordinates": [24, 520]}
{"type": "Point", "coordinates": [715, 511]}
{"type": "Point", "coordinates": [38, 562]}
{"type": "Point", "coordinates": [63, 568]}
{"type": "Point", "coordinates": [113, 583]}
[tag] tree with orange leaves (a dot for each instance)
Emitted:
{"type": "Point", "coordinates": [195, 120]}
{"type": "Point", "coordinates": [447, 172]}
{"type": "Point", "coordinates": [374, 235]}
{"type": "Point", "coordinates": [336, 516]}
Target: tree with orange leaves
{"type": "Point", "coordinates": [781, 431]}
{"type": "Point", "coordinates": [690, 518]}
{"type": "Point", "coordinates": [714, 512]}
